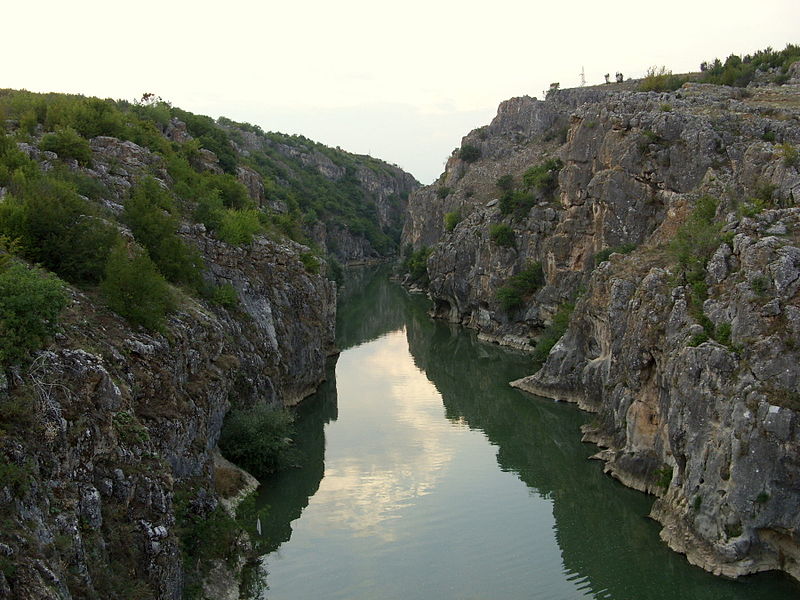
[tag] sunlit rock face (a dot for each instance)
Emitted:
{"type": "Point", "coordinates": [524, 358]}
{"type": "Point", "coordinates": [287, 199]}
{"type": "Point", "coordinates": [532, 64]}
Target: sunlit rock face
{"type": "Point", "coordinates": [695, 381]}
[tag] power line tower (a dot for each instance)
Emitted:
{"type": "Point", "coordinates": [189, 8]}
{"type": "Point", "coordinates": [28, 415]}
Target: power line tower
{"type": "Point", "coordinates": [583, 78]}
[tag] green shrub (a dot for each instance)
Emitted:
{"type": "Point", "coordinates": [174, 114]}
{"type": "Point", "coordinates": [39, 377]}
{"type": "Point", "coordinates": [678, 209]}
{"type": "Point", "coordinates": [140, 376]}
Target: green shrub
{"type": "Point", "coordinates": [698, 338]}
{"type": "Point", "coordinates": [91, 187]}
{"type": "Point", "coordinates": [30, 302]}
{"type": "Point", "coordinates": [664, 477]}
{"type": "Point", "coordinates": [469, 153]}
{"type": "Point", "coordinates": [93, 117]}
{"type": "Point", "coordinates": [68, 143]}
{"type": "Point", "coordinates": [763, 192]}
{"type": "Point", "coordinates": [442, 192]}
{"type": "Point", "coordinates": [258, 439]}
{"type": "Point", "coordinates": [207, 536]}
{"type": "Point", "coordinates": [739, 71]}
{"type": "Point", "coordinates": [15, 477]}
{"type": "Point", "coordinates": [129, 428]}
{"type": "Point", "coordinates": [416, 265]}
{"type": "Point", "coordinates": [552, 333]}
{"type": "Point", "coordinates": [502, 235]}
{"type": "Point", "coordinates": [516, 201]}
{"type": "Point", "coordinates": [451, 219]}
{"type": "Point", "coordinates": [225, 295]}
{"type": "Point", "coordinates": [659, 79]}
{"type": "Point", "coordinates": [135, 289]}
{"type": "Point", "coordinates": [505, 182]}
{"type": "Point", "coordinates": [57, 228]}
{"type": "Point", "coordinates": [310, 262]}
{"type": "Point", "coordinates": [231, 191]}
{"type": "Point", "coordinates": [543, 177]}
{"type": "Point", "coordinates": [147, 211]}
{"type": "Point", "coordinates": [722, 333]}
{"type": "Point", "coordinates": [759, 284]}
{"type": "Point", "coordinates": [789, 154]}
{"type": "Point", "coordinates": [697, 239]}
{"type": "Point", "coordinates": [210, 211]}
{"type": "Point", "coordinates": [238, 227]}
{"type": "Point", "coordinates": [335, 271]}
{"type": "Point", "coordinates": [510, 298]}
{"type": "Point", "coordinates": [526, 282]}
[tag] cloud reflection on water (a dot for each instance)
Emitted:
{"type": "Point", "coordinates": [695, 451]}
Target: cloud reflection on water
{"type": "Point", "coordinates": [365, 493]}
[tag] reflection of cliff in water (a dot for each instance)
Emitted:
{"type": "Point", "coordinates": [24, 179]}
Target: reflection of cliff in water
{"type": "Point", "coordinates": [368, 306]}
{"type": "Point", "coordinates": [296, 486]}
{"type": "Point", "coordinates": [606, 541]}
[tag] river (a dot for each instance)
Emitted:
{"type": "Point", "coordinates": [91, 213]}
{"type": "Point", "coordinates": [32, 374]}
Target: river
{"type": "Point", "coordinates": [425, 476]}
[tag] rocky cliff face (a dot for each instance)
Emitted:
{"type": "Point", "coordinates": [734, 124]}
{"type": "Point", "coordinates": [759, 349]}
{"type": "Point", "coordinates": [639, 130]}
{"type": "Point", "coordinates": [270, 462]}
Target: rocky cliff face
{"type": "Point", "coordinates": [693, 375]}
{"type": "Point", "coordinates": [118, 420]}
{"type": "Point", "coordinates": [112, 431]}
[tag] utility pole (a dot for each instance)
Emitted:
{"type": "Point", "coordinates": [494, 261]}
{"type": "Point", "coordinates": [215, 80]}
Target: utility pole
{"type": "Point", "coordinates": [583, 78]}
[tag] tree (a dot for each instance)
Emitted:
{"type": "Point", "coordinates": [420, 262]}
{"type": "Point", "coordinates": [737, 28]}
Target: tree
{"type": "Point", "coordinates": [135, 289]}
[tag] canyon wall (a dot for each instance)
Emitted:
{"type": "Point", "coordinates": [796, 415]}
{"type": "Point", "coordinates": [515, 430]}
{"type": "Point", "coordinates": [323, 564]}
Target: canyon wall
{"type": "Point", "coordinates": [666, 245]}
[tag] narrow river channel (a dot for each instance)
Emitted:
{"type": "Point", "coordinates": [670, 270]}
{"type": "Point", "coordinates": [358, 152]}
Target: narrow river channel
{"type": "Point", "coordinates": [425, 476]}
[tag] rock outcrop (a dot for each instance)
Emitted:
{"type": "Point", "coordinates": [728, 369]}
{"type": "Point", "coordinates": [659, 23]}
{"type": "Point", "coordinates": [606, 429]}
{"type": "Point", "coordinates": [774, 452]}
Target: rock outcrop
{"type": "Point", "coordinates": [693, 376]}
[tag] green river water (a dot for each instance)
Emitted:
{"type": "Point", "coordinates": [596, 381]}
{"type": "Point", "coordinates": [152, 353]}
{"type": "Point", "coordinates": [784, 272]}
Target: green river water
{"type": "Point", "coordinates": [425, 476]}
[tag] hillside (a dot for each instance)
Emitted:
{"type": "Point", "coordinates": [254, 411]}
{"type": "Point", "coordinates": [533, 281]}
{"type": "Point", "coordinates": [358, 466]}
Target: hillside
{"type": "Point", "coordinates": [348, 206]}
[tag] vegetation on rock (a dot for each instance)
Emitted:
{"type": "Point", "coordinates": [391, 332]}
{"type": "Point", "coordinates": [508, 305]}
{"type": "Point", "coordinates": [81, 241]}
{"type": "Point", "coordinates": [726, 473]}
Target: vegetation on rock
{"type": "Point", "coordinates": [30, 302]}
{"type": "Point", "coordinates": [502, 235]}
{"type": "Point", "coordinates": [258, 439]}
{"type": "Point", "coordinates": [741, 70]}
{"type": "Point", "coordinates": [512, 295]}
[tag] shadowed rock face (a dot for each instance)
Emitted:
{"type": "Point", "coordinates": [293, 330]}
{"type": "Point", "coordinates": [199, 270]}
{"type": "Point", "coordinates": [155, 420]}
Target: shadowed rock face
{"type": "Point", "coordinates": [701, 412]}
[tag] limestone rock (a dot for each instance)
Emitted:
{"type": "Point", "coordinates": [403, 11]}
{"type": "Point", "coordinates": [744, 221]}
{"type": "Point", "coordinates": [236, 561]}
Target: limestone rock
{"type": "Point", "coordinates": [701, 412]}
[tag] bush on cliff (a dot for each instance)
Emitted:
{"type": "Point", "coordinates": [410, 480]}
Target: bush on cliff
{"type": "Point", "coordinates": [237, 227]}
{"type": "Point", "coordinates": [526, 282]}
{"type": "Point", "coordinates": [57, 228]}
{"type": "Point", "coordinates": [148, 212]}
{"type": "Point", "coordinates": [469, 153]}
{"type": "Point", "coordinates": [416, 265]}
{"type": "Point", "coordinates": [258, 439]}
{"type": "Point", "coordinates": [740, 70]}
{"type": "Point", "coordinates": [135, 289]}
{"type": "Point", "coordinates": [451, 219]}
{"type": "Point", "coordinates": [502, 235]}
{"type": "Point", "coordinates": [697, 239]}
{"type": "Point", "coordinates": [516, 201]}
{"type": "Point", "coordinates": [660, 79]}
{"type": "Point", "coordinates": [30, 302]}
{"type": "Point", "coordinates": [553, 333]}
{"type": "Point", "coordinates": [543, 177]}
{"type": "Point", "coordinates": [67, 143]}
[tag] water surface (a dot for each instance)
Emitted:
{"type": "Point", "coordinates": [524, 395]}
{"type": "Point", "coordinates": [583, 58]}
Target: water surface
{"type": "Point", "coordinates": [425, 476]}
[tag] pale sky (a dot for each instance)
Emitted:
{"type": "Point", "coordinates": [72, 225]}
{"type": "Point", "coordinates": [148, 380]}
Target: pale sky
{"type": "Point", "coordinates": [402, 81]}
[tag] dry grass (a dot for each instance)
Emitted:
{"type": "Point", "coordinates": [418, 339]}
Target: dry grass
{"type": "Point", "coordinates": [228, 482]}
